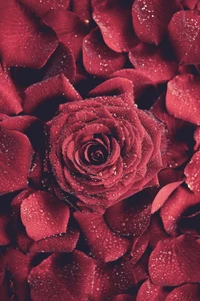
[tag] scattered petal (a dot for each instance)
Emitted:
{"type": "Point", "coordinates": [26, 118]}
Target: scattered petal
{"type": "Point", "coordinates": [115, 22]}
{"type": "Point", "coordinates": [184, 34]}
{"type": "Point", "coordinates": [103, 243]}
{"type": "Point", "coordinates": [17, 27]}
{"type": "Point", "coordinates": [98, 59]}
{"type": "Point", "coordinates": [175, 261]}
{"type": "Point", "coordinates": [154, 62]}
{"type": "Point", "coordinates": [68, 275]}
{"type": "Point", "coordinates": [14, 148]}
{"type": "Point", "coordinates": [182, 99]}
{"type": "Point", "coordinates": [151, 18]}
{"type": "Point", "coordinates": [44, 215]}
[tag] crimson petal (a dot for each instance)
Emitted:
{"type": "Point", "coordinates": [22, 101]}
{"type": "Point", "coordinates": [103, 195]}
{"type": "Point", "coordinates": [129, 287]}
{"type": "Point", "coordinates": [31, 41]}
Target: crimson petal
{"type": "Point", "coordinates": [18, 28]}
{"type": "Point", "coordinates": [182, 98]}
{"type": "Point", "coordinates": [123, 298]}
{"type": "Point", "coordinates": [15, 147]}
{"type": "Point", "coordinates": [69, 27]}
{"type": "Point", "coordinates": [115, 22]}
{"type": "Point", "coordinates": [163, 195]}
{"type": "Point", "coordinates": [131, 216]}
{"type": "Point", "coordinates": [42, 7]}
{"type": "Point", "coordinates": [192, 172]}
{"type": "Point", "coordinates": [184, 293]}
{"type": "Point", "coordinates": [151, 292]}
{"type": "Point", "coordinates": [68, 275]}
{"type": "Point", "coordinates": [46, 91]}
{"type": "Point", "coordinates": [98, 59]}
{"type": "Point", "coordinates": [142, 84]}
{"type": "Point", "coordinates": [15, 259]}
{"type": "Point", "coordinates": [102, 241]}
{"type": "Point", "coordinates": [151, 18]}
{"type": "Point", "coordinates": [154, 62]}
{"type": "Point", "coordinates": [44, 215]}
{"type": "Point", "coordinates": [184, 34]}
{"type": "Point", "coordinates": [58, 243]}
{"type": "Point", "coordinates": [175, 261]}
{"type": "Point", "coordinates": [10, 102]}
{"type": "Point", "coordinates": [179, 201]}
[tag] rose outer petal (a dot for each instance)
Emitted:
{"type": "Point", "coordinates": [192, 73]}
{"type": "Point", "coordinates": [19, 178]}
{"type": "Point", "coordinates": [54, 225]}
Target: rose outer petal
{"type": "Point", "coordinates": [98, 58]}
{"type": "Point", "coordinates": [151, 18]}
{"type": "Point", "coordinates": [175, 261]}
{"type": "Point", "coordinates": [46, 91]}
{"type": "Point", "coordinates": [184, 34]}
{"type": "Point", "coordinates": [44, 215]}
{"type": "Point", "coordinates": [15, 160]}
{"type": "Point", "coordinates": [18, 28]}
{"type": "Point", "coordinates": [68, 275]}
{"type": "Point", "coordinates": [103, 243]}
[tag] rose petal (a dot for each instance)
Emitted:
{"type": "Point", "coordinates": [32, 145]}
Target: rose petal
{"type": "Point", "coordinates": [115, 278]}
{"type": "Point", "coordinates": [156, 231]}
{"type": "Point", "coordinates": [115, 86]}
{"type": "Point", "coordinates": [102, 241]}
{"type": "Point", "coordinates": [139, 247]}
{"type": "Point", "coordinates": [82, 9]}
{"type": "Point", "coordinates": [15, 147]}
{"type": "Point", "coordinates": [192, 173]}
{"type": "Point", "coordinates": [150, 19]}
{"type": "Point", "coordinates": [68, 275]}
{"type": "Point", "coordinates": [130, 217]}
{"type": "Point", "coordinates": [42, 7]}
{"type": "Point", "coordinates": [69, 28]}
{"type": "Point", "coordinates": [115, 22]}
{"type": "Point", "coordinates": [179, 201]}
{"type": "Point", "coordinates": [44, 215]}
{"type": "Point", "coordinates": [61, 62]}
{"type": "Point", "coordinates": [98, 59]}
{"type": "Point", "coordinates": [184, 34]}
{"type": "Point", "coordinates": [151, 292]}
{"type": "Point", "coordinates": [4, 233]}
{"type": "Point", "coordinates": [2, 269]}
{"type": "Point", "coordinates": [123, 298]}
{"type": "Point", "coordinates": [57, 243]}
{"type": "Point", "coordinates": [163, 195]}
{"type": "Point", "coordinates": [154, 62]}
{"type": "Point", "coordinates": [47, 93]}
{"type": "Point", "coordinates": [189, 3]}
{"type": "Point", "coordinates": [175, 261]}
{"type": "Point", "coordinates": [15, 259]}
{"type": "Point", "coordinates": [197, 139]}
{"type": "Point", "coordinates": [17, 27]}
{"type": "Point", "coordinates": [182, 98]}
{"type": "Point", "coordinates": [142, 85]}
{"type": "Point", "coordinates": [10, 102]}
{"type": "Point", "coordinates": [184, 293]}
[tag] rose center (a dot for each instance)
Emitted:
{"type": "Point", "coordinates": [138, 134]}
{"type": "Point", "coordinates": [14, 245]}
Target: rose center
{"type": "Point", "coordinates": [97, 154]}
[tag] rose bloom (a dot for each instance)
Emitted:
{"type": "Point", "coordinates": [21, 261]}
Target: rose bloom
{"type": "Point", "coordinates": [104, 149]}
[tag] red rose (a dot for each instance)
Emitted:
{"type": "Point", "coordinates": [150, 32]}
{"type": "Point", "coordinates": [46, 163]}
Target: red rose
{"type": "Point", "coordinates": [104, 149]}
